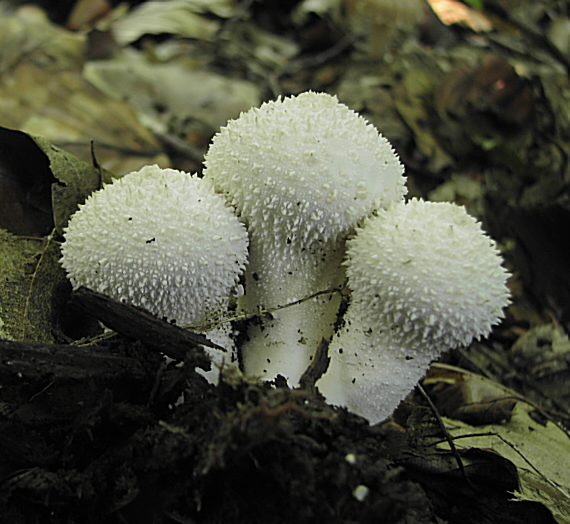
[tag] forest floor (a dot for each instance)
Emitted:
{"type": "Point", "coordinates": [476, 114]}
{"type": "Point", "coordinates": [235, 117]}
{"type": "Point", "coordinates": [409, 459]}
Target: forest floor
{"type": "Point", "coordinates": [475, 99]}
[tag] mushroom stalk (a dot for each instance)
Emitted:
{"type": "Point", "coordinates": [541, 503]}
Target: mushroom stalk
{"type": "Point", "coordinates": [283, 341]}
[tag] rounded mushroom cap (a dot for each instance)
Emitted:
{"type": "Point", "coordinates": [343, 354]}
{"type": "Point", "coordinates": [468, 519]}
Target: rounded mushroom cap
{"type": "Point", "coordinates": [427, 275]}
{"type": "Point", "coordinates": [160, 239]}
{"type": "Point", "coordinates": [303, 168]}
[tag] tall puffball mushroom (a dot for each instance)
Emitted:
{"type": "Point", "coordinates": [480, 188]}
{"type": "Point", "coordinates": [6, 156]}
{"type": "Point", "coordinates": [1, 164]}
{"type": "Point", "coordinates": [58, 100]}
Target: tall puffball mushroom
{"type": "Point", "coordinates": [160, 239]}
{"type": "Point", "coordinates": [424, 279]}
{"type": "Point", "coordinates": [301, 172]}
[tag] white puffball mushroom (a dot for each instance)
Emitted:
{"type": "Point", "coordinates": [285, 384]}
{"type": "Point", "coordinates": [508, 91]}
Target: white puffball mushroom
{"type": "Point", "coordinates": [425, 278]}
{"type": "Point", "coordinates": [301, 172]}
{"type": "Point", "coordinates": [159, 239]}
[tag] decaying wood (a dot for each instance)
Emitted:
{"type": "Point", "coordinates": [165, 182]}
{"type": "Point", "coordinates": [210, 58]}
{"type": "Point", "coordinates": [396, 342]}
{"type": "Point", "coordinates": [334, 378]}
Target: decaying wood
{"type": "Point", "coordinates": [136, 323]}
{"type": "Point", "coordinates": [30, 360]}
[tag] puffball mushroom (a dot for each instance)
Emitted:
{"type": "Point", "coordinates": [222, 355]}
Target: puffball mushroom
{"type": "Point", "coordinates": [301, 172]}
{"type": "Point", "coordinates": [160, 239]}
{"type": "Point", "coordinates": [424, 278]}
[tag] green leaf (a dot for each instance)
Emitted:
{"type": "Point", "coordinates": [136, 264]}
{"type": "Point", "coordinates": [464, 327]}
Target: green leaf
{"type": "Point", "coordinates": [76, 180]}
{"type": "Point", "coordinates": [475, 4]}
{"type": "Point", "coordinates": [30, 277]}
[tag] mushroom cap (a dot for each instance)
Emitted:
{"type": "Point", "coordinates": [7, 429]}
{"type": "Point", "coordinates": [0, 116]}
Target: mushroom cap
{"type": "Point", "coordinates": [303, 168]}
{"type": "Point", "coordinates": [160, 239]}
{"type": "Point", "coordinates": [427, 275]}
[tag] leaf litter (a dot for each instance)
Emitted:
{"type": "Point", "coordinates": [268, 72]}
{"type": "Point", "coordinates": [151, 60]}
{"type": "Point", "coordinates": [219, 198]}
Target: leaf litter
{"type": "Point", "coordinates": [449, 110]}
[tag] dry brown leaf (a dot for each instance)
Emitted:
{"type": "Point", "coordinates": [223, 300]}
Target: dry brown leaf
{"type": "Point", "coordinates": [44, 93]}
{"type": "Point", "coordinates": [536, 445]}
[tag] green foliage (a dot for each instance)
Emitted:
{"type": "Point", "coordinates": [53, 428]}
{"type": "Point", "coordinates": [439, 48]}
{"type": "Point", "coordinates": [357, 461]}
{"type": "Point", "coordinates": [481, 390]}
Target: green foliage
{"type": "Point", "coordinates": [30, 274]}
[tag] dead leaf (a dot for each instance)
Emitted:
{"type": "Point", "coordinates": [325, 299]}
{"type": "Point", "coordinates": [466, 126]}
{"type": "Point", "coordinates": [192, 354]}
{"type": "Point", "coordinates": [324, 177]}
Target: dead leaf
{"type": "Point", "coordinates": [454, 12]}
{"type": "Point", "coordinates": [176, 17]}
{"type": "Point", "coordinates": [410, 98]}
{"type": "Point", "coordinates": [534, 444]}
{"type": "Point", "coordinates": [29, 36]}
{"type": "Point", "coordinates": [43, 92]}
{"type": "Point", "coordinates": [425, 453]}
{"type": "Point", "coordinates": [41, 184]}
{"type": "Point", "coordinates": [86, 12]}
{"type": "Point", "coordinates": [25, 186]}
{"type": "Point", "coordinates": [168, 96]}
{"type": "Point", "coordinates": [538, 451]}
{"type": "Point", "coordinates": [541, 358]}
{"type": "Point", "coordinates": [469, 397]}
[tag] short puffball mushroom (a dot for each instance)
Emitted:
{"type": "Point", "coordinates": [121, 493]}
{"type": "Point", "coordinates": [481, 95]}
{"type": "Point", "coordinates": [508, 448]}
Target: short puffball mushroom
{"type": "Point", "coordinates": [424, 279]}
{"type": "Point", "coordinates": [301, 172]}
{"type": "Point", "coordinates": [159, 239]}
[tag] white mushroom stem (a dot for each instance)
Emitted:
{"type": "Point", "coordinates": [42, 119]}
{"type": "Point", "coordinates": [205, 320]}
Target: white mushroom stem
{"type": "Point", "coordinates": [283, 277]}
{"type": "Point", "coordinates": [301, 172]}
{"type": "Point", "coordinates": [369, 372]}
{"type": "Point", "coordinates": [424, 279]}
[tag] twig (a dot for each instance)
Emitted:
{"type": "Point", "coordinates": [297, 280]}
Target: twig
{"type": "Point", "coordinates": [447, 435]}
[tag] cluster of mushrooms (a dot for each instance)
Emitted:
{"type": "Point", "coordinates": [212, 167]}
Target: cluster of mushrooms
{"type": "Point", "coordinates": [299, 198]}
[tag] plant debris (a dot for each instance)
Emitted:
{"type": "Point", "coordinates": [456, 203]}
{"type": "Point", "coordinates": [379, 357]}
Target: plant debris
{"type": "Point", "coordinates": [100, 426]}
